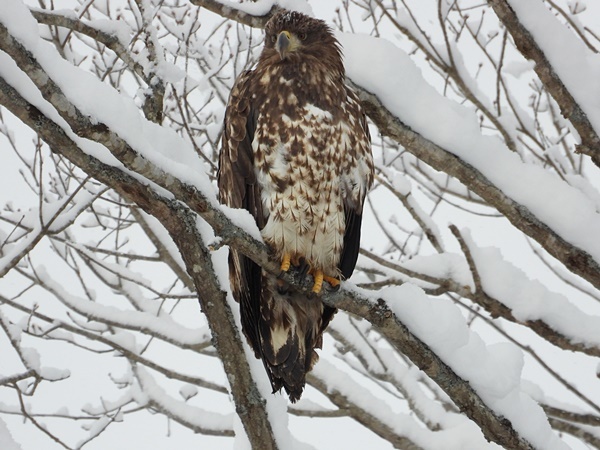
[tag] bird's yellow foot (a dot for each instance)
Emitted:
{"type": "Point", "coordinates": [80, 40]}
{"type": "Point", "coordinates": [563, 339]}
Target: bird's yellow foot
{"type": "Point", "coordinates": [334, 282]}
{"type": "Point", "coordinates": [318, 285]}
{"type": "Point", "coordinates": [319, 277]}
{"type": "Point", "coordinates": [286, 262]}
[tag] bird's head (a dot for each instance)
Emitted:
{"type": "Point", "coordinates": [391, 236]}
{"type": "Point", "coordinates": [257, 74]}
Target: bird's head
{"type": "Point", "coordinates": [293, 35]}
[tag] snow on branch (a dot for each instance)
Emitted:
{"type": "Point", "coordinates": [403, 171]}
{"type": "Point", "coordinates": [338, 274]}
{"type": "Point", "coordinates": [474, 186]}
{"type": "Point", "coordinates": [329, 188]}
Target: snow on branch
{"type": "Point", "coordinates": [197, 419]}
{"type": "Point", "coordinates": [506, 291]}
{"type": "Point", "coordinates": [255, 14]}
{"type": "Point", "coordinates": [563, 63]}
{"type": "Point", "coordinates": [161, 327]}
{"type": "Point", "coordinates": [116, 39]}
{"type": "Point", "coordinates": [53, 218]}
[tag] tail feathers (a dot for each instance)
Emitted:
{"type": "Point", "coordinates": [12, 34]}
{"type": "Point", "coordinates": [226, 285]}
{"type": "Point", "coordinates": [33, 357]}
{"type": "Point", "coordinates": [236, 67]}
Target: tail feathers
{"type": "Point", "coordinates": [290, 372]}
{"type": "Point", "coordinates": [290, 330]}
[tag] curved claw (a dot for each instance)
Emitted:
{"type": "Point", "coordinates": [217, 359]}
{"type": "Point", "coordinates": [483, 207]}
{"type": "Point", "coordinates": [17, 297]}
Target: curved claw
{"type": "Point", "coordinates": [304, 268]}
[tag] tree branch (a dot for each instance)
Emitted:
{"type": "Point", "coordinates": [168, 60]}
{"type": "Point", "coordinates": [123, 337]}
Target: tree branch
{"type": "Point", "coordinates": [235, 14]}
{"type": "Point", "coordinates": [361, 416]}
{"type": "Point", "coordinates": [494, 428]}
{"type": "Point", "coordinates": [590, 142]}
{"type": "Point", "coordinates": [109, 40]}
{"type": "Point", "coordinates": [576, 259]}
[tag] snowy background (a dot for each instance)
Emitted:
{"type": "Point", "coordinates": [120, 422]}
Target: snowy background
{"type": "Point", "coordinates": [102, 341]}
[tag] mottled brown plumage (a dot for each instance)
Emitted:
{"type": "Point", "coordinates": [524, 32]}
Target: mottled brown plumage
{"type": "Point", "coordinates": [296, 154]}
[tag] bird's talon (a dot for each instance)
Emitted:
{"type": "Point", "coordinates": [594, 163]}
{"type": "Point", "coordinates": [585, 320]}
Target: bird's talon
{"type": "Point", "coordinates": [282, 287]}
{"type": "Point", "coordinates": [304, 268]}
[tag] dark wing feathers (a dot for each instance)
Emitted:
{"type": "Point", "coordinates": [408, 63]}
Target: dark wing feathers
{"type": "Point", "coordinates": [351, 241]}
{"type": "Point", "coordinates": [238, 189]}
{"type": "Point", "coordinates": [353, 212]}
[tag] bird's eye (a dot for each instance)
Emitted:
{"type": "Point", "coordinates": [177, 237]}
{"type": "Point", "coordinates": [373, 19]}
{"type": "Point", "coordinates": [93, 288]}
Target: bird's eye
{"type": "Point", "coordinates": [273, 39]}
{"type": "Point", "coordinates": [302, 36]}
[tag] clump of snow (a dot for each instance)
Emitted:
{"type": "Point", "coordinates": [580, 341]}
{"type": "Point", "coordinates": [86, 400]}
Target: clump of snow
{"type": "Point", "coordinates": [518, 68]}
{"type": "Point", "coordinates": [191, 414]}
{"type": "Point", "coordinates": [31, 358]}
{"type": "Point", "coordinates": [530, 299]}
{"type": "Point", "coordinates": [54, 374]}
{"type": "Point", "coordinates": [188, 391]}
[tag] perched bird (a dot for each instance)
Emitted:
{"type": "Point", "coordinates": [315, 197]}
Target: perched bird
{"type": "Point", "coordinates": [296, 154]}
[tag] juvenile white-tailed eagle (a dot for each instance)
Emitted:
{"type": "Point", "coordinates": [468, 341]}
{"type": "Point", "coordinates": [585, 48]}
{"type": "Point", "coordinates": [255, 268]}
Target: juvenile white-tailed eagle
{"type": "Point", "coordinates": [296, 154]}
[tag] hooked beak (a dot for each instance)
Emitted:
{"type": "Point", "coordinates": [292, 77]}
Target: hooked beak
{"type": "Point", "coordinates": [284, 44]}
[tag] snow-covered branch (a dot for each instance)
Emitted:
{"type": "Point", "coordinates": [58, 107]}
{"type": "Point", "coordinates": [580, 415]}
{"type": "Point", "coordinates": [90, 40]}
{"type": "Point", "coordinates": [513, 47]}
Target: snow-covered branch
{"type": "Point", "coordinates": [531, 24]}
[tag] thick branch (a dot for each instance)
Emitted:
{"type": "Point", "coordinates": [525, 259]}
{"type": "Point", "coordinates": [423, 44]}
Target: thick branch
{"type": "Point", "coordinates": [236, 14]}
{"type": "Point", "coordinates": [590, 142]}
